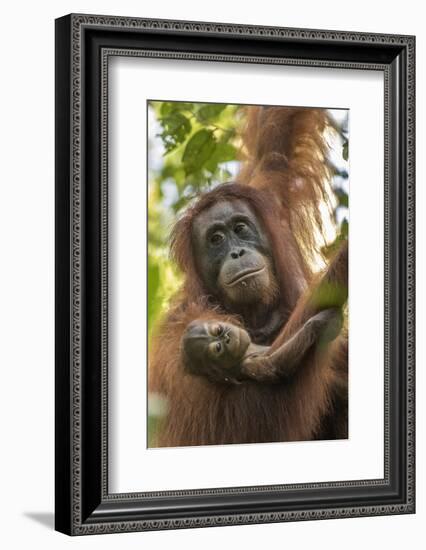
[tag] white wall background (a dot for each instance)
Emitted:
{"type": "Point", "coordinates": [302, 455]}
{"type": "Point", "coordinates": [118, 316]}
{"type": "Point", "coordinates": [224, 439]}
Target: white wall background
{"type": "Point", "coordinates": [26, 289]}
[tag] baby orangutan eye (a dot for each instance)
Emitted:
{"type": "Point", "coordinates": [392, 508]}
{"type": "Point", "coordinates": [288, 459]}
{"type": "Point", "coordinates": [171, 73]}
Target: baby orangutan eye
{"type": "Point", "coordinates": [215, 349]}
{"type": "Point", "coordinates": [217, 330]}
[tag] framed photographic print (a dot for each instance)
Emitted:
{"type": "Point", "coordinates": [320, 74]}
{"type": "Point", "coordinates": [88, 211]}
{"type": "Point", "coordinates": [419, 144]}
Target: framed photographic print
{"type": "Point", "coordinates": [234, 274]}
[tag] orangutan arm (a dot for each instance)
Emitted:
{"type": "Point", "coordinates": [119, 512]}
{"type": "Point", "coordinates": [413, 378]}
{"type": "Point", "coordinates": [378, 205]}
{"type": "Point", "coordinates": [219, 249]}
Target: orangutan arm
{"type": "Point", "coordinates": [329, 291]}
{"type": "Point", "coordinates": [273, 366]}
{"type": "Point", "coordinates": [317, 319]}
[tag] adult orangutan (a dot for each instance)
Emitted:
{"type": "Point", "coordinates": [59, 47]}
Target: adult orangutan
{"type": "Point", "coordinates": [254, 348]}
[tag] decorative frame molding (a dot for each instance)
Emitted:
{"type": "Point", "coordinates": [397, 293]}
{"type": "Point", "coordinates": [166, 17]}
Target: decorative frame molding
{"type": "Point", "coordinates": [84, 44]}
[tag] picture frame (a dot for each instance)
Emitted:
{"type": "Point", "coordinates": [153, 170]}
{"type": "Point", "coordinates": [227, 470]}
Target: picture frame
{"type": "Point", "coordinates": [83, 503]}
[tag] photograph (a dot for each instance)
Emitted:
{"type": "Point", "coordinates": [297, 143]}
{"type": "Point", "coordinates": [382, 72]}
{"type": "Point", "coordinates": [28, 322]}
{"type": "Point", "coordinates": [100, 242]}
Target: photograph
{"type": "Point", "coordinates": [248, 317]}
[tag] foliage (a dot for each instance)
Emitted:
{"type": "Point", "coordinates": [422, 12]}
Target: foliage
{"type": "Point", "coordinates": [157, 410]}
{"type": "Point", "coordinates": [340, 186]}
{"type": "Point", "coordinates": [163, 278]}
{"type": "Point", "coordinates": [198, 139]}
{"type": "Point", "coordinates": [194, 147]}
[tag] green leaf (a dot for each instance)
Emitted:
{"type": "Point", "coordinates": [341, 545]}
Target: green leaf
{"type": "Point", "coordinates": [329, 295]}
{"type": "Point", "coordinates": [168, 107]}
{"type": "Point", "coordinates": [176, 127]}
{"type": "Point", "coordinates": [179, 177]}
{"type": "Point", "coordinates": [345, 150]}
{"type": "Point", "coordinates": [153, 287]}
{"type": "Point", "coordinates": [210, 111]}
{"type": "Point", "coordinates": [342, 197]}
{"type": "Point", "coordinates": [224, 152]}
{"type": "Point", "coordinates": [198, 150]}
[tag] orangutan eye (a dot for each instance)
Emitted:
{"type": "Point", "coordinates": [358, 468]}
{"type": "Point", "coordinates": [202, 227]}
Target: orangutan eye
{"type": "Point", "coordinates": [217, 238]}
{"type": "Point", "coordinates": [239, 228]}
{"type": "Point", "coordinates": [215, 349]}
{"type": "Point", "coordinates": [217, 330]}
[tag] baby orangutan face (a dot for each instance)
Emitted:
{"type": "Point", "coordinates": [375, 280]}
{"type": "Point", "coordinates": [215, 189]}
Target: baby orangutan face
{"type": "Point", "coordinates": [212, 348]}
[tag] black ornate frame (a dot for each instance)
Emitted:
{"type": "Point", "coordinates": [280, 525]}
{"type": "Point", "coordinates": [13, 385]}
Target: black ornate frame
{"type": "Point", "coordinates": [83, 45]}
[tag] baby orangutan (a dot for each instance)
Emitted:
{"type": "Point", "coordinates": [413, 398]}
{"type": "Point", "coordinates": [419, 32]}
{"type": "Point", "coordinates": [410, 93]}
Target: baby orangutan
{"type": "Point", "coordinates": [224, 352]}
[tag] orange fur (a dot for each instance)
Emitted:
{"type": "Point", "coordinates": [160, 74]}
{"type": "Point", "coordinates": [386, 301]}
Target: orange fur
{"type": "Point", "coordinates": [286, 153]}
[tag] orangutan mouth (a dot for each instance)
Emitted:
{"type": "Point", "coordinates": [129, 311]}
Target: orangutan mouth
{"type": "Point", "coordinates": [246, 274]}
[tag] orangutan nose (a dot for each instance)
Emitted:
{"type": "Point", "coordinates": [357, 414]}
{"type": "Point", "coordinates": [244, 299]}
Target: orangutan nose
{"type": "Point", "coordinates": [235, 254]}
